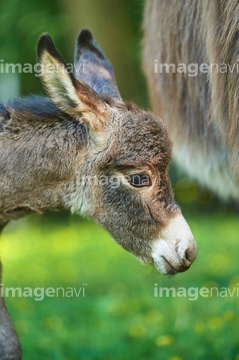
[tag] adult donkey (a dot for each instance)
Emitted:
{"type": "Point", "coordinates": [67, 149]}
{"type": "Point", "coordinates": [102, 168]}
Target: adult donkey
{"type": "Point", "coordinates": [50, 149]}
{"type": "Point", "coordinates": [199, 107]}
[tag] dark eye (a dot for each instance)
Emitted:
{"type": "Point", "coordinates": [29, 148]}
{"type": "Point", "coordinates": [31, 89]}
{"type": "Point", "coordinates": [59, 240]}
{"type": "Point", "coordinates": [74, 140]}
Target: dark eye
{"type": "Point", "coordinates": [139, 180]}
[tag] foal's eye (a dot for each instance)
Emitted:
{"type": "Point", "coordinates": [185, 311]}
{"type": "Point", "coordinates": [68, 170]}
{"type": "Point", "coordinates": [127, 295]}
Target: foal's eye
{"type": "Point", "coordinates": [139, 180]}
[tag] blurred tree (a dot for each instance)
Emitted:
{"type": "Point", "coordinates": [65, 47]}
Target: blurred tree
{"type": "Point", "coordinates": [115, 24]}
{"type": "Point", "coordinates": [22, 21]}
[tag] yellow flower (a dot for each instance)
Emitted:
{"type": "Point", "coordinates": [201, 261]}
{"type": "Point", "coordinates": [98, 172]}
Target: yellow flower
{"type": "Point", "coordinates": [199, 327]}
{"type": "Point", "coordinates": [164, 340]}
{"type": "Point", "coordinates": [229, 315]}
{"type": "Point", "coordinates": [214, 323]}
{"type": "Point", "coordinates": [137, 331]}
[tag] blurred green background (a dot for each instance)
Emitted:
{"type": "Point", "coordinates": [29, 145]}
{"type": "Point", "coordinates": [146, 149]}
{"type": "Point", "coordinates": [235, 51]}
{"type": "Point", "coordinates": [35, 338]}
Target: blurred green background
{"type": "Point", "coordinates": [119, 317]}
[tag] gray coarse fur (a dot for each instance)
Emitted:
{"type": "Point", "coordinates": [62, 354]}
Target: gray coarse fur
{"type": "Point", "coordinates": [200, 110]}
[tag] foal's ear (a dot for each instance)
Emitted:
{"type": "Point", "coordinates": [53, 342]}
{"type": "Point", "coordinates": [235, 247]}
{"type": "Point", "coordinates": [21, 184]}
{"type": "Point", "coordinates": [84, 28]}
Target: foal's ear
{"type": "Point", "coordinates": [72, 96]}
{"type": "Point", "coordinates": [92, 66]}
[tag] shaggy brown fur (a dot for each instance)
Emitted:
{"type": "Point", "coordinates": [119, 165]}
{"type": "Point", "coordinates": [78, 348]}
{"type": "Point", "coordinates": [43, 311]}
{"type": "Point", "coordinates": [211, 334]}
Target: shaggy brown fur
{"type": "Point", "coordinates": [201, 112]}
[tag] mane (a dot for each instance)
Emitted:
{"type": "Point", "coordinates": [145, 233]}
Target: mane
{"type": "Point", "coordinates": [33, 107]}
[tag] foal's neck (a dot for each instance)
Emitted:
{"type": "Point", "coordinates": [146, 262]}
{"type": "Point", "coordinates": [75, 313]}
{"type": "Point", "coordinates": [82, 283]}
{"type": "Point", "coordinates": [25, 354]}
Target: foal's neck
{"type": "Point", "coordinates": [40, 149]}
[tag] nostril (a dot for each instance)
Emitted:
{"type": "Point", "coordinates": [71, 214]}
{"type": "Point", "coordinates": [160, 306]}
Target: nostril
{"type": "Point", "coordinates": [188, 255]}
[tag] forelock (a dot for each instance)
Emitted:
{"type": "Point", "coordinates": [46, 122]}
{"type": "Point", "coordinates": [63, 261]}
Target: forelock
{"type": "Point", "coordinates": [142, 137]}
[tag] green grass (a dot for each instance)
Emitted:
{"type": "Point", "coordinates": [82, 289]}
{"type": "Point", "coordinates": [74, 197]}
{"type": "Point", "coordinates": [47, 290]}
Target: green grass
{"type": "Point", "coordinates": [119, 318]}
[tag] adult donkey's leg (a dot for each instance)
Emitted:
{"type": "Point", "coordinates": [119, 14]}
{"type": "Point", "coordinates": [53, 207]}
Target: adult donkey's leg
{"type": "Point", "coordinates": [10, 348]}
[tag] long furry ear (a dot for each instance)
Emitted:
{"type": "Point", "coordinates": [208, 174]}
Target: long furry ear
{"type": "Point", "coordinates": [92, 66]}
{"type": "Point", "coordinates": [71, 95]}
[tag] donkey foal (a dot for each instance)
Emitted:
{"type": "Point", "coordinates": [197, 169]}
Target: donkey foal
{"type": "Point", "coordinates": [49, 146]}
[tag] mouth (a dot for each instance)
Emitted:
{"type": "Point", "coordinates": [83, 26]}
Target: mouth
{"type": "Point", "coordinates": [172, 260]}
{"type": "Point", "coordinates": [165, 266]}
{"type": "Point", "coordinates": [169, 267]}
{"type": "Point", "coordinates": [175, 249]}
